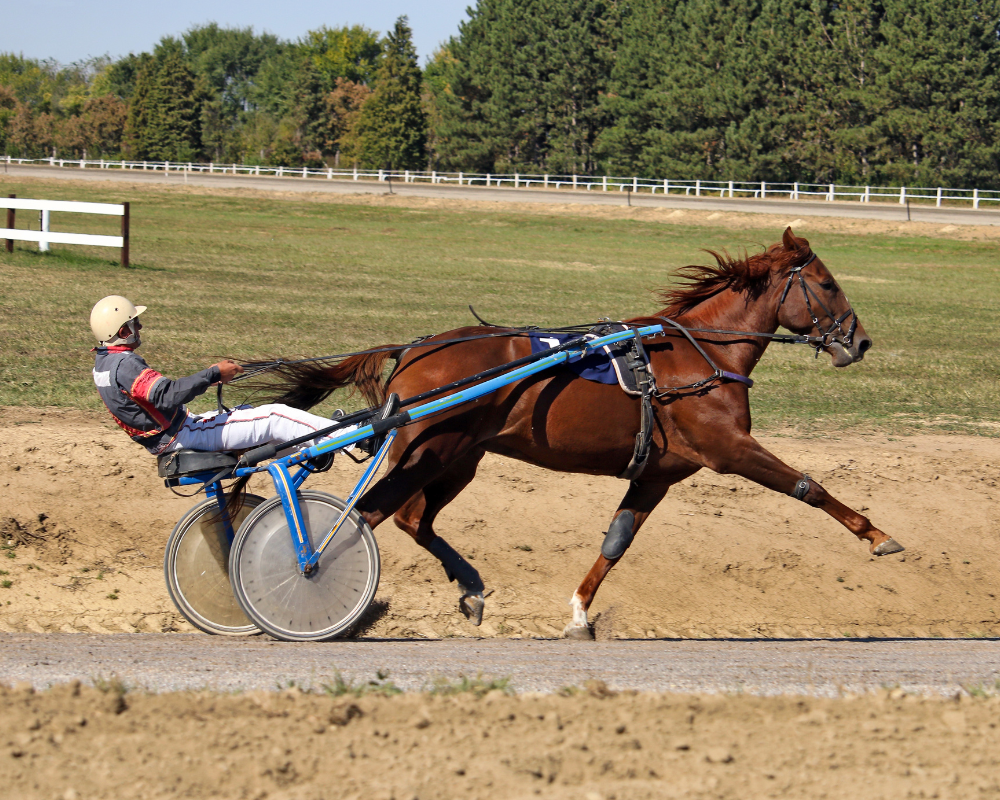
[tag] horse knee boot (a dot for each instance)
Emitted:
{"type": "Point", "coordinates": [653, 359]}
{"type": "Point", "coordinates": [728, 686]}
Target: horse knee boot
{"type": "Point", "coordinates": [619, 536]}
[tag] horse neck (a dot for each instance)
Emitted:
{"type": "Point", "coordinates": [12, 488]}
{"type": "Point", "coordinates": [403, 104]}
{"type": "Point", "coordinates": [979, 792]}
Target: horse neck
{"type": "Point", "coordinates": [733, 312]}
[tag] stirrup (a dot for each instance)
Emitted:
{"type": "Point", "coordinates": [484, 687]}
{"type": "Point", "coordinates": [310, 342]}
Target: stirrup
{"type": "Point", "coordinates": [373, 444]}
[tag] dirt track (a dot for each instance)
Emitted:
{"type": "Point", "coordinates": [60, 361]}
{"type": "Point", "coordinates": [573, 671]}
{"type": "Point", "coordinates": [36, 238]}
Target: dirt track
{"type": "Point", "coordinates": [84, 520]}
{"type": "Point", "coordinates": [77, 743]}
{"type": "Point", "coordinates": [719, 558]}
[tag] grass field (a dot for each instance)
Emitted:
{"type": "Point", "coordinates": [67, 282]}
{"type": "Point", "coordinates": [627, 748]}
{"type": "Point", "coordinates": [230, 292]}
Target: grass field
{"type": "Point", "coordinates": [252, 276]}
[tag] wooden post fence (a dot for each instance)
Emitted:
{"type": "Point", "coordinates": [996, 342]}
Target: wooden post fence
{"type": "Point", "coordinates": [10, 224]}
{"type": "Point", "coordinates": [44, 236]}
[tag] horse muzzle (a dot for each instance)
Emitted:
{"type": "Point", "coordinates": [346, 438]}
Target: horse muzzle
{"type": "Point", "coordinates": [843, 355]}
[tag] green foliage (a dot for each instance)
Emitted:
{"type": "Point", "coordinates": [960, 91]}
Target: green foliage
{"type": "Point", "coordinates": [881, 92]}
{"type": "Point", "coordinates": [350, 53]}
{"type": "Point", "coordinates": [863, 91]}
{"type": "Point", "coordinates": [477, 686]}
{"type": "Point", "coordinates": [165, 118]}
{"type": "Point", "coordinates": [520, 88]}
{"type": "Point", "coordinates": [391, 129]}
{"type": "Point", "coordinates": [380, 686]}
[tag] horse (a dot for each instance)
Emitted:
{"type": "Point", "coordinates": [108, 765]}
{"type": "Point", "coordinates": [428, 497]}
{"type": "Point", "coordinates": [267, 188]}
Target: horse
{"type": "Point", "coordinates": [557, 420]}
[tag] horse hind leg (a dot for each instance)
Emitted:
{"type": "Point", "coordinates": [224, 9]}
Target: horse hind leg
{"type": "Point", "coordinates": [636, 506]}
{"type": "Point", "coordinates": [417, 516]}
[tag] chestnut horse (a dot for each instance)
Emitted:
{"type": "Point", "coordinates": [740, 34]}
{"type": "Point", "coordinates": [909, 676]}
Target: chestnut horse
{"type": "Point", "coordinates": [558, 420]}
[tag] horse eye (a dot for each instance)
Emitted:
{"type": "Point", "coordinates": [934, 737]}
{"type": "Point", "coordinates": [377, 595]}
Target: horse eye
{"type": "Point", "coordinates": [829, 285]}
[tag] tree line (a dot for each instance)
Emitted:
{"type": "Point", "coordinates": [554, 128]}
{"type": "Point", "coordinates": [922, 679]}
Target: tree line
{"type": "Point", "coordinates": [855, 91]}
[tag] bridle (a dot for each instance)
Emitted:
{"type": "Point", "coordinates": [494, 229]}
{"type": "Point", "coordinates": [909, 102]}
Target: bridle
{"type": "Point", "coordinates": [835, 333]}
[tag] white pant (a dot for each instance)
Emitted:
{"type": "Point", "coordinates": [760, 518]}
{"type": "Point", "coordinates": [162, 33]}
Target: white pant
{"type": "Point", "coordinates": [246, 427]}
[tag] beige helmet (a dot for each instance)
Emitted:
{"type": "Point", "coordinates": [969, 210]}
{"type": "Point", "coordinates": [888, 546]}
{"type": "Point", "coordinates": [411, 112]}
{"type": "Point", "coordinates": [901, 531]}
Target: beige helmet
{"type": "Point", "coordinates": [109, 315]}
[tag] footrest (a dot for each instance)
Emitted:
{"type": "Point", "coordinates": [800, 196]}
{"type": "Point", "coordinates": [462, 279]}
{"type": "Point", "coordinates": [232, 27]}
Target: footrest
{"type": "Point", "coordinates": [179, 463]}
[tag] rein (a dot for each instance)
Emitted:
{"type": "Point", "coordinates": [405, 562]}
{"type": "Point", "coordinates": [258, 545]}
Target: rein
{"type": "Point", "coordinates": [827, 336]}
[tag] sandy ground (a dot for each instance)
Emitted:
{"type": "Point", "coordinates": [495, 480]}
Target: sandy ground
{"type": "Point", "coordinates": [84, 519]}
{"type": "Point", "coordinates": [72, 743]}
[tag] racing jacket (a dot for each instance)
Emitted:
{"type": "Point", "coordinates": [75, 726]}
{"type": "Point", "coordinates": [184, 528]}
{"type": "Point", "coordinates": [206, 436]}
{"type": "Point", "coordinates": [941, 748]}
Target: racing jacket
{"type": "Point", "coordinates": [147, 406]}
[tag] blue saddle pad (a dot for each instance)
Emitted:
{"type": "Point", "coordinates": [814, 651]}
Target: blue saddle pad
{"type": "Point", "coordinates": [595, 367]}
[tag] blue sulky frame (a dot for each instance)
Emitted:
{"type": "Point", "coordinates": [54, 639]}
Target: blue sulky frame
{"type": "Point", "coordinates": [286, 483]}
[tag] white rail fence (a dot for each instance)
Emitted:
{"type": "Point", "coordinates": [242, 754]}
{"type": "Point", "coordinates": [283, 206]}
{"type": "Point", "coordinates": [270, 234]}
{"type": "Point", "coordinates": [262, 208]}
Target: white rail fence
{"type": "Point", "coordinates": [691, 188]}
{"type": "Point", "coordinates": [44, 236]}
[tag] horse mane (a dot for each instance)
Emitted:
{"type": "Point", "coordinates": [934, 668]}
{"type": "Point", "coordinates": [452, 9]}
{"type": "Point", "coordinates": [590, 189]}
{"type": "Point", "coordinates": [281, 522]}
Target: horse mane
{"type": "Point", "coordinates": [749, 275]}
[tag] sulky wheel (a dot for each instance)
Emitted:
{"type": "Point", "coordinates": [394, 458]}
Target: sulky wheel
{"type": "Point", "coordinates": [281, 600]}
{"type": "Point", "coordinates": [196, 565]}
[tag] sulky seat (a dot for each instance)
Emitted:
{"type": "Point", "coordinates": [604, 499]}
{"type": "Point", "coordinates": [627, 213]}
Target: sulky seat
{"type": "Point", "coordinates": [178, 463]}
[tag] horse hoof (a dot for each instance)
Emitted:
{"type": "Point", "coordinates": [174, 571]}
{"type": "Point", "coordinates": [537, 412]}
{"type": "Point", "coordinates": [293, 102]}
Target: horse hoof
{"type": "Point", "coordinates": [472, 606]}
{"type": "Point", "coordinates": [888, 547]}
{"type": "Point", "coordinates": [581, 632]}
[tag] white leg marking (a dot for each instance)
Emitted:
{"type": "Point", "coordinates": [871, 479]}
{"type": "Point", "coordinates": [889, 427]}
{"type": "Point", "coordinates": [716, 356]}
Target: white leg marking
{"type": "Point", "coordinates": [579, 615]}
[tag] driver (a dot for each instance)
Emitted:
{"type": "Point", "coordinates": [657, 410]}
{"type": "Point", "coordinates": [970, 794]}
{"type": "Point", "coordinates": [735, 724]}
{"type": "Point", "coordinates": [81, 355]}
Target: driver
{"type": "Point", "coordinates": [150, 407]}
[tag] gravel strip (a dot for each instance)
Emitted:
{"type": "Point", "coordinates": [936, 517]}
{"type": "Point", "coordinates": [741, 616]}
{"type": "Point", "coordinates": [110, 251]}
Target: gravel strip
{"type": "Point", "coordinates": [824, 668]}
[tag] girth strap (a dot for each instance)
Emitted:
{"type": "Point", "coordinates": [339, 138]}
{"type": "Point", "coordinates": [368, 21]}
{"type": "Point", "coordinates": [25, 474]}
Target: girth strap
{"type": "Point", "coordinates": [638, 362]}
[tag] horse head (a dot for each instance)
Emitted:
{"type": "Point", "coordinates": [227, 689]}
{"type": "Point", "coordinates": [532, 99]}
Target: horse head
{"type": "Point", "coordinates": [811, 302]}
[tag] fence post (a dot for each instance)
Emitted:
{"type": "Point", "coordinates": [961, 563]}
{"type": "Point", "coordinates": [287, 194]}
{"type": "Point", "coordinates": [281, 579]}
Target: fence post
{"type": "Point", "coordinates": [305, 172]}
{"type": "Point", "coordinates": [939, 197]}
{"type": "Point", "coordinates": [517, 181]}
{"type": "Point", "coordinates": [355, 172]}
{"type": "Point", "coordinates": [697, 188]}
{"type": "Point", "coordinates": [166, 167]}
{"type": "Point", "coordinates": [635, 184]}
{"type": "Point", "coordinates": [605, 187]}
{"type": "Point", "coordinates": [43, 245]}
{"type": "Point", "coordinates": [125, 235]}
{"type": "Point", "coordinates": [380, 176]}
{"type": "Point", "coordinates": [902, 195]}
{"type": "Point", "coordinates": [830, 196]}
{"type": "Point", "coordinates": [975, 199]}
{"type": "Point", "coordinates": [763, 190]}
{"type": "Point", "coordinates": [545, 180]}
{"type": "Point", "coordinates": [11, 219]}
{"type": "Point", "coordinates": [868, 197]}
{"type": "Point", "coordinates": [434, 176]}
{"type": "Point", "coordinates": [460, 176]}
{"type": "Point", "coordinates": [329, 174]}
{"type": "Point", "coordinates": [795, 190]}
{"type": "Point", "coordinates": [488, 176]}
{"type": "Point", "coordinates": [83, 164]}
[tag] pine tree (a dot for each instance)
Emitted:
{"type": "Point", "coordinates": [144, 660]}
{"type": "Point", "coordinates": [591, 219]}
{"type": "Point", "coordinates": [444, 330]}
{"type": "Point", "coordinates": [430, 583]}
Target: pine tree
{"type": "Point", "coordinates": [392, 128]}
{"type": "Point", "coordinates": [177, 102]}
{"type": "Point", "coordinates": [938, 93]}
{"type": "Point", "coordinates": [525, 79]}
{"type": "Point", "coordinates": [138, 142]}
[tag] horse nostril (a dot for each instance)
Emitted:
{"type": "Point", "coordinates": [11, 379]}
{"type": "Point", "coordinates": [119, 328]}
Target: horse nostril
{"type": "Point", "coordinates": [864, 346]}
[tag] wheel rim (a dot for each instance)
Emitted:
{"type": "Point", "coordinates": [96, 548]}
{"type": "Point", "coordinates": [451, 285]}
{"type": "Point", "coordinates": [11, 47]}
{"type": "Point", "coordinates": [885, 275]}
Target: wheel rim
{"type": "Point", "coordinates": [278, 597]}
{"type": "Point", "coordinates": [200, 572]}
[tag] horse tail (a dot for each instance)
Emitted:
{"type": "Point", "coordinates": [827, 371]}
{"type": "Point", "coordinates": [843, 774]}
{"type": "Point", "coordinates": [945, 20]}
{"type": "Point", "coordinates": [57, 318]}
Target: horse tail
{"type": "Point", "coordinates": [305, 385]}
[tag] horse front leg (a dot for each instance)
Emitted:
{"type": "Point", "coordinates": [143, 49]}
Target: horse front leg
{"type": "Point", "coordinates": [638, 503]}
{"type": "Point", "coordinates": [746, 457]}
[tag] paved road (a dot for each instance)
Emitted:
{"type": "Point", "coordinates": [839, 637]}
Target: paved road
{"type": "Point", "coordinates": [805, 208]}
{"type": "Point", "coordinates": [162, 662]}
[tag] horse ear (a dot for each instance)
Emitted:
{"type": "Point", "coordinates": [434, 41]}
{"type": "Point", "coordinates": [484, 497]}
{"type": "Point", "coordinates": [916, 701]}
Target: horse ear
{"type": "Point", "coordinates": [792, 242]}
{"type": "Point", "coordinates": [789, 240]}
